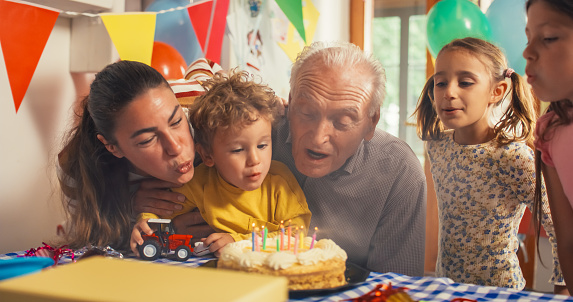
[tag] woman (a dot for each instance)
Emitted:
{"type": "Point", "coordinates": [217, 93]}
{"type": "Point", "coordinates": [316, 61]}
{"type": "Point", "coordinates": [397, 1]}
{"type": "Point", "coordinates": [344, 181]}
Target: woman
{"type": "Point", "coordinates": [132, 128]}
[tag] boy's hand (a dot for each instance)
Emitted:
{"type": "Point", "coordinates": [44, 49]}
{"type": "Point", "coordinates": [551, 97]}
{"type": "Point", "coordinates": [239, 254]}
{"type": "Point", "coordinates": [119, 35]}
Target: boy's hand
{"type": "Point", "coordinates": [136, 239]}
{"type": "Point", "coordinates": [217, 241]}
{"type": "Point", "coordinates": [153, 196]}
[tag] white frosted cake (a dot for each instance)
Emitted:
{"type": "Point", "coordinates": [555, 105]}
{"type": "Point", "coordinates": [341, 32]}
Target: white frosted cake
{"type": "Point", "coordinates": [323, 266]}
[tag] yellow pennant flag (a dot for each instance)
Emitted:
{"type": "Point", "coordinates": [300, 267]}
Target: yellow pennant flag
{"type": "Point", "coordinates": [132, 34]}
{"type": "Point", "coordinates": [310, 19]}
{"type": "Point", "coordinates": [294, 43]}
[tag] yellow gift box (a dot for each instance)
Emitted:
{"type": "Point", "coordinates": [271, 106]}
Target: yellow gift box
{"type": "Point", "coordinates": [108, 279]}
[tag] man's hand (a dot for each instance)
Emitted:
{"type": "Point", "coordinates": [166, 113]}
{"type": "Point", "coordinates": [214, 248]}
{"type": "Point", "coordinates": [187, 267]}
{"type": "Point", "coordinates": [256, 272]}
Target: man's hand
{"type": "Point", "coordinates": [192, 223]}
{"type": "Point", "coordinates": [153, 196]}
{"type": "Point", "coordinates": [283, 105]}
{"type": "Point", "coordinates": [560, 290]}
{"type": "Point", "coordinates": [136, 239]}
{"type": "Point", "coordinates": [217, 241]}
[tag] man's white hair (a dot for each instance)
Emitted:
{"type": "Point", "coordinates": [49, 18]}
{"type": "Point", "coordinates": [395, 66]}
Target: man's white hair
{"type": "Point", "coordinates": [347, 56]}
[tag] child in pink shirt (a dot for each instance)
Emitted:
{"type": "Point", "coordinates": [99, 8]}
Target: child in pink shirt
{"type": "Point", "coordinates": [549, 55]}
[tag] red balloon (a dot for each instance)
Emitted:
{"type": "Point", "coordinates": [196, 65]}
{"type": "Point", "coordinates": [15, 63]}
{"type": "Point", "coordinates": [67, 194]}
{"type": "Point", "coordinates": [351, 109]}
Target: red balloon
{"type": "Point", "coordinates": [168, 61]}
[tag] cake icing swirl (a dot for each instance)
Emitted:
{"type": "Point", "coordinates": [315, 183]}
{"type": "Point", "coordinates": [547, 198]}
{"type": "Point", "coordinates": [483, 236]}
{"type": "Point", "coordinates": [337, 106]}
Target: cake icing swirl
{"type": "Point", "coordinates": [241, 253]}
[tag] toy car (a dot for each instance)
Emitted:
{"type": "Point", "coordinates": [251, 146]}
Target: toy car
{"type": "Point", "coordinates": [163, 242]}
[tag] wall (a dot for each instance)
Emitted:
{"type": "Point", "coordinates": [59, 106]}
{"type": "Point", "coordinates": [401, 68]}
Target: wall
{"type": "Point", "coordinates": [333, 25]}
{"type": "Point", "coordinates": [30, 139]}
{"type": "Point", "coordinates": [29, 207]}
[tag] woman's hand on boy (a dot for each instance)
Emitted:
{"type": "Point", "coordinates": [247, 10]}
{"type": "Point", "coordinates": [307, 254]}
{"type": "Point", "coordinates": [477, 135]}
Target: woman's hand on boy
{"type": "Point", "coordinates": [217, 241]}
{"type": "Point", "coordinates": [136, 239]}
{"type": "Point", "coordinates": [192, 223]}
{"type": "Point", "coordinates": [154, 196]}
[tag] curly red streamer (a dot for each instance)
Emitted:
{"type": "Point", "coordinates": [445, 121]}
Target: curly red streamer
{"type": "Point", "coordinates": [380, 293]}
{"type": "Point", "coordinates": [55, 253]}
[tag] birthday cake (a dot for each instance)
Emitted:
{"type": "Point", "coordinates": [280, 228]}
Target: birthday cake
{"type": "Point", "coordinates": [321, 266]}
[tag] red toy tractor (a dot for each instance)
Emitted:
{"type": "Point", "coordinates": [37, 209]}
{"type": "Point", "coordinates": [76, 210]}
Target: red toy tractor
{"type": "Point", "coordinates": [164, 242]}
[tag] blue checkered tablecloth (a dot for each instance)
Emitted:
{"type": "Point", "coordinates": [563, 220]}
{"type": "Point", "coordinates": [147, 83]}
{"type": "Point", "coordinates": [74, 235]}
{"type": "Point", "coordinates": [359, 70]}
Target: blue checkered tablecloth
{"type": "Point", "coordinates": [439, 289]}
{"type": "Point", "coordinates": [419, 288]}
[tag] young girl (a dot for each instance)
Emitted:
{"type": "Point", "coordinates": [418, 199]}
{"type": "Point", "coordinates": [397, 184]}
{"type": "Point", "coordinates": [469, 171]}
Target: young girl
{"type": "Point", "coordinates": [483, 174]}
{"type": "Point", "coordinates": [549, 56]}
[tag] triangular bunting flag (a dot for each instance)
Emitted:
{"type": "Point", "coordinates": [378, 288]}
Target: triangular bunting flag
{"type": "Point", "coordinates": [132, 34]}
{"type": "Point", "coordinates": [293, 11]}
{"type": "Point", "coordinates": [200, 15]}
{"type": "Point", "coordinates": [24, 31]}
{"type": "Point", "coordinates": [310, 17]}
{"type": "Point", "coordinates": [217, 31]}
{"type": "Point", "coordinates": [294, 45]}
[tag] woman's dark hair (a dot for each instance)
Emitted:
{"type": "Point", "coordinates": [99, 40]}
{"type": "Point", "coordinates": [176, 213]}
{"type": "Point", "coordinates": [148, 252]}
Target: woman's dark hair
{"type": "Point", "coordinates": [94, 181]}
{"type": "Point", "coordinates": [562, 6]}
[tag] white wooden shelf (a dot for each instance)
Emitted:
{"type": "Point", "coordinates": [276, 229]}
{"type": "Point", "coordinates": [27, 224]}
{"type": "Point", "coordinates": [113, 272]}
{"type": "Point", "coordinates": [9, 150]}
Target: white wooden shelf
{"type": "Point", "coordinates": [78, 6]}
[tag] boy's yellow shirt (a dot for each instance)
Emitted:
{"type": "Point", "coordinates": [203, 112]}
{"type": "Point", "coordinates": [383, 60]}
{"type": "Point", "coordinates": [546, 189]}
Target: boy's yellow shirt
{"type": "Point", "coordinates": [229, 209]}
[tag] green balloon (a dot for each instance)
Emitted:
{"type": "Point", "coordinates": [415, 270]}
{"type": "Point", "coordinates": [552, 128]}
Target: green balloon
{"type": "Point", "coordinates": [455, 19]}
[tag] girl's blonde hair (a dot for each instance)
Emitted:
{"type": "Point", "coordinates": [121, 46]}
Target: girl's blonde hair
{"type": "Point", "coordinates": [519, 118]}
{"type": "Point", "coordinates": [231, 101]}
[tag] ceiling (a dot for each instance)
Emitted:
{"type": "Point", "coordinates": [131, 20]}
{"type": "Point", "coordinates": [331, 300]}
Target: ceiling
{"type": "Point", "coordinates": [386, 4]}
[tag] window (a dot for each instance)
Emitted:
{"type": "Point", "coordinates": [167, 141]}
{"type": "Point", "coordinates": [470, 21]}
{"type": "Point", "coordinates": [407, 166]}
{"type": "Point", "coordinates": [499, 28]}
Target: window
{"type": "Point", "coordinates": [399, 42]}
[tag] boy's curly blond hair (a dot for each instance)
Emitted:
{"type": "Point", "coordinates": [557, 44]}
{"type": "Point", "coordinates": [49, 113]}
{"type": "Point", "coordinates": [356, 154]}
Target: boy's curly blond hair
{"type": "Point", "coordinates": [231, 102]}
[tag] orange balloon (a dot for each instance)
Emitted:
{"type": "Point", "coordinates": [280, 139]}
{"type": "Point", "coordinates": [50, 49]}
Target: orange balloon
{"type": "Point", "coordinates": [168, 61]}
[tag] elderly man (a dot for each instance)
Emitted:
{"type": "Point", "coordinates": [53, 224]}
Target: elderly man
{"type": "Point", "coordinates": [365, 188]}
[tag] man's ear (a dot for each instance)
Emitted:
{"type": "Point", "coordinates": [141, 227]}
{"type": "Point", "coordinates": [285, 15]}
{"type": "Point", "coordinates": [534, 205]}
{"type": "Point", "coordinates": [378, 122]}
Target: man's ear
{"type": "Point", "coordinates": [373, 121]}
{"type": "Point", "coordinates": [499, 92]}
{"type": "Point", "coordinates": [205, 156]}
{"type": "Point", "coordinates": [113, 149]}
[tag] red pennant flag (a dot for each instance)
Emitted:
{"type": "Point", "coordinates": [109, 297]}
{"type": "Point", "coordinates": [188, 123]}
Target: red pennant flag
{"type": "Point", "coordinates": [24, 32]}
{"type": "Point", "coordinates": [200, 15]}
{"type": "Point", "coordinates": [216, 31]}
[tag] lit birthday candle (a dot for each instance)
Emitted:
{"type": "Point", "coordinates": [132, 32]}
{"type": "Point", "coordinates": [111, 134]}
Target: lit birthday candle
{"type": "Point", "coordinates": [289, 234]}
{"type": "Point", "coordinates": [278, 246]}
{"type": "Point", "coordinates": [256, 239]}
{"type": "Point", "coordinates": [265, 232]}
{"type": "Point", "coordinates": [282, 246]}
{"type": "Point", "coordinates": [253, 235]}
{"type": "Point", "coordinates": [261, 234]}
{"type": "Point", "coordinates": [301, 235]}
{"type": "Point", "coordinates": [313, 237]}
{"type": "Point", "coordinates": [295, 247]}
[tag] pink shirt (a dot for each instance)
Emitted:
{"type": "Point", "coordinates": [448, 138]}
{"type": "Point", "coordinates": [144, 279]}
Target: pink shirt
{"type": "Point", "coordinates": [557, 151]}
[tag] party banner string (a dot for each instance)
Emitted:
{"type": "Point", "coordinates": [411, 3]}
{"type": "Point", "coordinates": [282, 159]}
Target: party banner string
{"type": "Point", "coordinates": [97, 14]}
{"type": "Point", "coordinates": [132, 33]}
{"type": "Point", "coordinates": [35, 22]}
